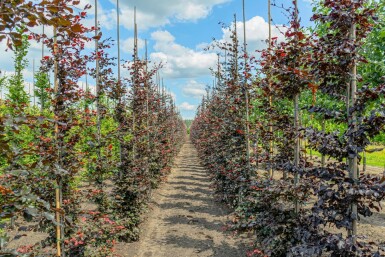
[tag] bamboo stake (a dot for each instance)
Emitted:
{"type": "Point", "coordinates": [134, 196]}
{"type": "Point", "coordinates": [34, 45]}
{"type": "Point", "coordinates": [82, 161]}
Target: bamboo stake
{"type": "Point", "coordinates": [146, 85]}
{"type": "Point", "coordinates": [218, 73]}
{"type": "Point", "coordinates": [246, 92]}
{"type": "Point", "coordinates": [42, 46]}
{"type": "Point", "coordinates": [97, 77]}
{"type": "Point", "coordinates": [119, 77]}
{"type": "Point", "coordinates": [97, 82]}
{"type": "Point", "coordinates": [118, 35]}
{"type": "Point", "coordinates": [58, 180]}
{"type": "Point", "coordinates": [236, 51]}
{"type": "Point", "coordinates": [1, 88]}
{"type": "Point", "coordinates": [29, 92]}
{"type": "Point", "coordinates": [353, 168]}
{"type": "Point", "coordinates": [296, 120]}
{"type": "Point", "coordinates": [225, 64]}
{"type": "Point", "coordinates": [163, 89]}
{"type": "Point", "coordinates": [348, 98]}
{"type": "Point", "coordinates": [135, 81]}
{"type": "Point", "coordinates": [270, 100]}
{"type": "Point", "coordinates": [48, 74]}
{"type": "Point", "coordinates": [33, 82]}
{"type": "Point", "coordinates": [323, 157]}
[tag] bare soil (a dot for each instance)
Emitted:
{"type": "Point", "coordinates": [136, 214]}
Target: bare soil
{"type": "Point", "coordinates": [183, 218]}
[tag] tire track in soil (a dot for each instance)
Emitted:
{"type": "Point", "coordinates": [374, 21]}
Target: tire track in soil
{"type": "Point", "coordinates": [184, 220]}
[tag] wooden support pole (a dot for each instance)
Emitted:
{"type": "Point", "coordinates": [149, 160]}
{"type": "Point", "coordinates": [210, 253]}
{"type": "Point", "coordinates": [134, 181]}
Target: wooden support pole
{"type": "Point", "coordinates": [218, 73]}
{"type": "Point", "coordinates": [97, 80]}
{"type": "Point", "coordinates": [134, 84]}
{"type": "Point", "coordinates": [33, 82]}
{"type": "Point", "coordinates": [270, 99]}
{"type": "Point", "coordinates": [353, 162]}
{"type": "Point", "coordinates": [42, 46]}
{"type": "Point", "coordinates": [323, 157]}
{"type": "Point", "coordinates": [245, 88]}
{"type": "Point", "coordinates": [119, 69]}
{"type": "Point", "coordinates": [119, 77]}
{"type": "Point", "coordinates": [58, 180]}
{"type": "Point", "coordinates": [147, 88]}
{"type": "Point", "coordinates": [296, 118]}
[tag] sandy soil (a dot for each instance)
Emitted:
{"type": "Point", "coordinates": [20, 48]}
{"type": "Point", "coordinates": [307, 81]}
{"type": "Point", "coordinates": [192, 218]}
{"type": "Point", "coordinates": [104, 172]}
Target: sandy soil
{"type": "Point", "coordinates": [183, 219]}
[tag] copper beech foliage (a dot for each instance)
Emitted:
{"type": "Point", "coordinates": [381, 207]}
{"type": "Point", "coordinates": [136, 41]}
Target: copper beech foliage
{"type": "Point", "coordinates": [315, 66]}
{"type": "Point", "coordinates": [134, 156]}
{"type": "Point", "coordinates": [25, 15]}
{"type": "Point", "coordinates": [219, 131]}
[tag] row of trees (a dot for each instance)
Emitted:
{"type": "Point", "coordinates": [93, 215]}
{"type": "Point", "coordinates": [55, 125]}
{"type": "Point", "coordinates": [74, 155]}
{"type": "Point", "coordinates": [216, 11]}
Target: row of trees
{"type": "Point", "coordinates": [122, 138]}
{"type": "Point", "coordinates": [287, 200]}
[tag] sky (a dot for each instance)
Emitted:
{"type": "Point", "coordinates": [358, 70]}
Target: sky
{"type": "Point", "coordinates": [177, 32]}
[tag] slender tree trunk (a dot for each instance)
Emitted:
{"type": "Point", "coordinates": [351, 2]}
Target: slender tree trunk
{"type": "Point", "coordinates": [297, 146]}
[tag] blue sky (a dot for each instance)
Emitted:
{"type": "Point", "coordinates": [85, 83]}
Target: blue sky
{"type": "Point", "coordinates": [177, 31]}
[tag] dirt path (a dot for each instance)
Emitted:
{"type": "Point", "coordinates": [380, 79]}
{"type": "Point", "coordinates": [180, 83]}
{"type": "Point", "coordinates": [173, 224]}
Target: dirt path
{"type": "Point", "coordinates": [184, 220]}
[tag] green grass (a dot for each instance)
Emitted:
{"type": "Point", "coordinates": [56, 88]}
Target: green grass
{"type": "Point", "coordinates": [376, 159]}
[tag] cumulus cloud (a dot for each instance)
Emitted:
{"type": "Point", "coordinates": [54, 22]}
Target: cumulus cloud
{"type": "Point", "coordinates": [106, 18]}
{"type": "Point", "coordinates": [194, 89]}
{"type": "Point", "coordinates": [127, 45]}
{"type": "Point", "coordinates": [257, 33]}
{"type": "Point", "coordinates": [185, 106]}
{"type": "Point", "coordinates": [180, 61]}
{"type": "Point", "coordinates": [7, 60]}
{"type": "Point", "coordinates": [155, 13]}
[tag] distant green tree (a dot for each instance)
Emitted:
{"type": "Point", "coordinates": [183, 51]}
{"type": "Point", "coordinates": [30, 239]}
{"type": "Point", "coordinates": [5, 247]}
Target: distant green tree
{"type": "Point", "coordinates": [188, 123]}
{"type": "Point", "coordinates": [41, 86]}
{"type": "Point", "coordinates": [3, 81]}
{"type": "Point", "coordinates": [16, 92]}
{"type": "Point", "coordinates": [373, 50]}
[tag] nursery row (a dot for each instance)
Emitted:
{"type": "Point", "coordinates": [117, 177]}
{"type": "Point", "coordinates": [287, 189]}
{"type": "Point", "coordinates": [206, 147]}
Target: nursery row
{"type": "Point", "coordinates": [79, 166]}
{"type": "Point", "coordinates": [320, 89]}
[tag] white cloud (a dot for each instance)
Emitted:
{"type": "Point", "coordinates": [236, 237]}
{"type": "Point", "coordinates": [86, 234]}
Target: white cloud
{"type": "Point", "coordinates": [185, 106]}
{"type": "Point", "coordinates": [151, 13]}
{"type": "Point", "coordinates": [162, 36]}
{"type": "Point", "coordinates": [173, 95]}
{"type": "Point", "coordinates": [194, 89]}
{"type": "Point", "coordinates": [106, 18]}
{"type": "Point", "coordinates": [180, 61]}
{"type": "Point", "coordinates": [127, 45]}
{"type": "Point", "coordinates": [155, 13]}
{"type": "Point", "coordinates": [257, 33]}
